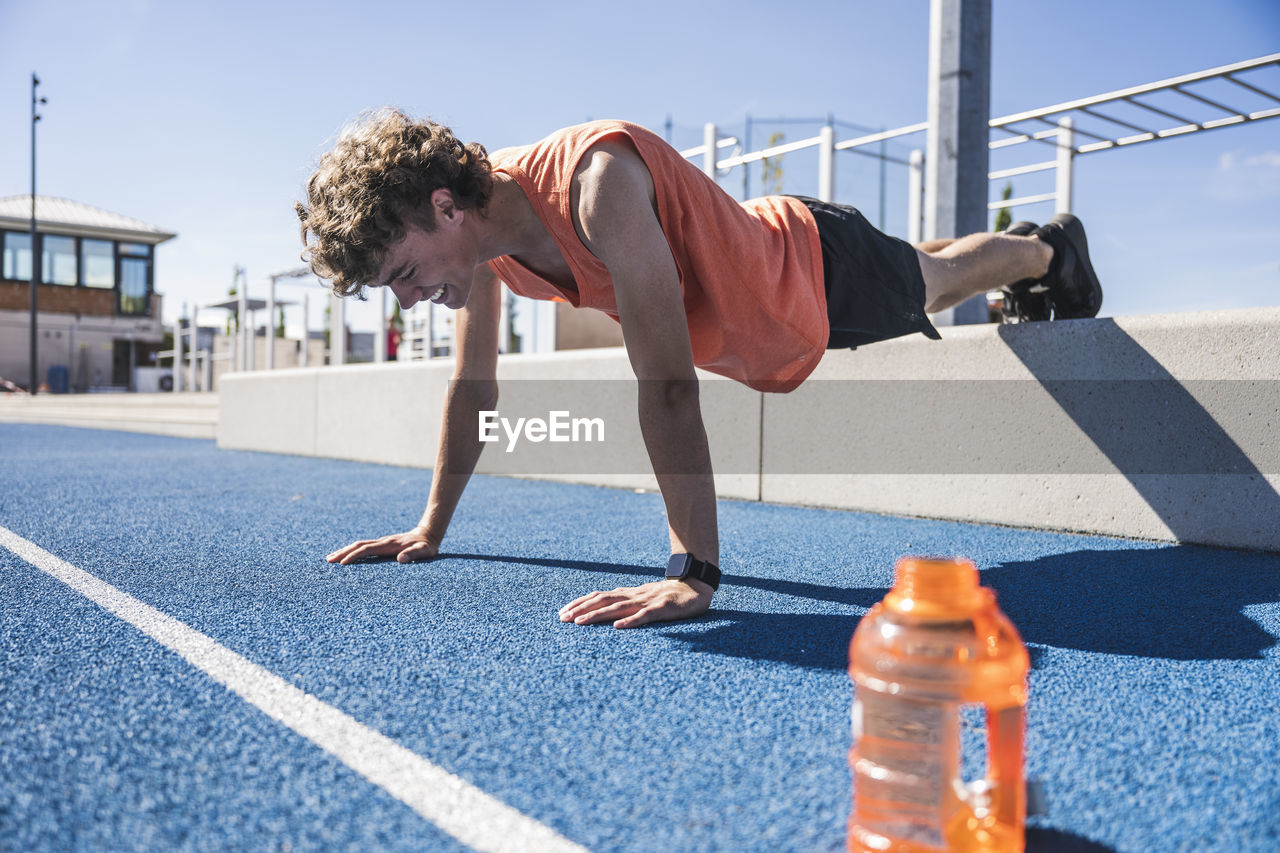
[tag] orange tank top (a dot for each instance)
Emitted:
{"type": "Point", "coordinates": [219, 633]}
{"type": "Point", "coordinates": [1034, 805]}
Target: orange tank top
{"type": "Point", "coordinates": [750, 272]}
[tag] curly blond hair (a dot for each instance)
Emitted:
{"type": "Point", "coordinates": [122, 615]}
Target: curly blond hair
{"type": "Point", "coordinates": [375, 182]}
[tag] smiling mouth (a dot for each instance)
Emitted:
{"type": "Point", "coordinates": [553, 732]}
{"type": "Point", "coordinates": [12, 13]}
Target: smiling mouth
{"type": "Point", "coordinates": [438, 296]}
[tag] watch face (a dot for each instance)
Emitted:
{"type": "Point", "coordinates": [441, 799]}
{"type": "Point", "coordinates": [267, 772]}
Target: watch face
{"type": "Point", "coordinates": [678, 565]}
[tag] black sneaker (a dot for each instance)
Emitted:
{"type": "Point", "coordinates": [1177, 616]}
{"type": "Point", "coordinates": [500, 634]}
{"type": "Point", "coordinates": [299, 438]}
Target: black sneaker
{"type": "Point", "coordinates": [1027, 300]}
{"type": "Point", "coordinates": [1074, 288]}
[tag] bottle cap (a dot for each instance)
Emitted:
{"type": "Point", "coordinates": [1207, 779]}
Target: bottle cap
{"type": "Point", "coordinates": [934, 585]}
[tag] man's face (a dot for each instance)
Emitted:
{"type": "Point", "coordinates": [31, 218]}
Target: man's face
{"type": "Point", "coordinates": [436, 265]}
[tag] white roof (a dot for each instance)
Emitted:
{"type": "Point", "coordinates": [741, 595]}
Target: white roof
{"type": "Point", "coordinates": [232, 303]}
{"type": "Point", "coordinates": [62, 215]}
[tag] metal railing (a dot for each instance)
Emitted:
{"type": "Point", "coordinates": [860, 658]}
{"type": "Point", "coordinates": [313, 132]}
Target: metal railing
{"type": "Point", "coordinates": [1072, 128]}
{"type": "Point", "coordinates": [418, 340]}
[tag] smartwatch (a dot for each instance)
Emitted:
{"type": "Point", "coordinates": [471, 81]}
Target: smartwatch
{"type": "Point", "coordinates": [685, 566]}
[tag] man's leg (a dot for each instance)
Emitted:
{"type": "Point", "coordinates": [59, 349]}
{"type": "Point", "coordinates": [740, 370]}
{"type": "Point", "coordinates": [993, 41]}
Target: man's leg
{"type": "Point", "coordinates": [977, 263]}
{"type": "Point", "coordinates": [932, 247]}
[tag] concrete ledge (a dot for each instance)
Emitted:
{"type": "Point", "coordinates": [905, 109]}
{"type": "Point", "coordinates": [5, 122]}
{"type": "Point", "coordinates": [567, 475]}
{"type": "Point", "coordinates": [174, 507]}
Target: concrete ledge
{"type": "Point", "coordinates": [391, 414]}
{"type": "Point", "coordinates": [1160, 427]}
{"type": "Point", "coordinates": [179, 415]}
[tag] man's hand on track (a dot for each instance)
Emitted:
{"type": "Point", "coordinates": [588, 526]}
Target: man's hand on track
{"type": "Point", "coordinates": [633, 606]}
{"type": "Point", "coordinates": [407, 547]}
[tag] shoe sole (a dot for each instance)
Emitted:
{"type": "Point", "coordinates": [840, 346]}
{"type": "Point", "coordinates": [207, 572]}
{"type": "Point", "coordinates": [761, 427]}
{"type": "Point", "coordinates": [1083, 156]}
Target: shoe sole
{"type": "Point", "coordinates": [1016, 294]}
{"type": "Point", "coordinates": [1072, 230]}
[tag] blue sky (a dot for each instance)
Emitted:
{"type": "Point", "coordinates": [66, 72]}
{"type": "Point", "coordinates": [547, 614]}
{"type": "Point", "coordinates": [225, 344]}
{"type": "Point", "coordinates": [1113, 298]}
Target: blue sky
{"type": "Point", "coordinates": [205, 119]}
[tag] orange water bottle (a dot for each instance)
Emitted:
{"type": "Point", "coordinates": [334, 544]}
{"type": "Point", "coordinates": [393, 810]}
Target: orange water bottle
{"type": "Point", "coordinates": [935, 644]}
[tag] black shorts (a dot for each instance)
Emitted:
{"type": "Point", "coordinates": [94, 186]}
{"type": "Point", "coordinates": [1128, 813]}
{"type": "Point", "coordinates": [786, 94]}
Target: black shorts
{"type": "Point", "coordinates": [875, 290]}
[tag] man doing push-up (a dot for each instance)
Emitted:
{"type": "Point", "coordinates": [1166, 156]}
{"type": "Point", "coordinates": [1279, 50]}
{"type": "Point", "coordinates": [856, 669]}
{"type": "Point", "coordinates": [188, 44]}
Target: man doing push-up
{"type": "Point", "coordinates": [606, 215]}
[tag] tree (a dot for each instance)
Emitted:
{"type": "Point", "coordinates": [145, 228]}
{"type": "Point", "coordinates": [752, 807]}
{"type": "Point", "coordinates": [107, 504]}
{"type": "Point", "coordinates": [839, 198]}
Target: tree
{"type": "Point", "coordinates": [771, 168]}
{"type": "Point", "coordinates": [233, 319]}
{"type": "Point", "coordinates": [280, 323]}
{"type": "Point", "coordinates": [1003, 217]}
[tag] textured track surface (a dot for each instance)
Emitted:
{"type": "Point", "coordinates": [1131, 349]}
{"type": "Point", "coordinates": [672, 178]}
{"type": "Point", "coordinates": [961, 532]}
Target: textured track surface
{"type": "Point", "coordinates": [1154, 721]}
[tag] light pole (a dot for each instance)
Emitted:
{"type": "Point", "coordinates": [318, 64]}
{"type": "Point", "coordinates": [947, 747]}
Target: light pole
{"type": "Point", "coordinates": [271, 314]}
{"type": "Point", "coordinates": [35, 255]}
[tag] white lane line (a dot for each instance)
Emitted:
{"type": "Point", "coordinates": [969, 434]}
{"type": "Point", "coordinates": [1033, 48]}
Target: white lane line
{"type": "Point", "coordinates": [452, 804]}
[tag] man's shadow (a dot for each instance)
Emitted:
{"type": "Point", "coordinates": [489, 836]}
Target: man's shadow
{"type": "Point", "coordinates": [1182, 602]}
{"type": "Point", "coordinates": [1178, 603]}
{"type": "Point", "coordinates": [1046, 840]}
{"type": "Point", "coordinates": [821, 641]}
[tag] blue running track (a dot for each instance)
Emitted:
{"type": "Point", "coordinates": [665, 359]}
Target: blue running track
{"type": "Point", "coordinates": [1154, 722]}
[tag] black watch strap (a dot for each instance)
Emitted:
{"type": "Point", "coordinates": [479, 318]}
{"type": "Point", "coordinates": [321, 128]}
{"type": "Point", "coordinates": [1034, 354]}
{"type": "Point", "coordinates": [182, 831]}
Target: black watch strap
{"type": "Point", "coordinates": [686, 566]}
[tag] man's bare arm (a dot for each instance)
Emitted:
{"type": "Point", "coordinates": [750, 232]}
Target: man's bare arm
{"type": "Point", "coordinates": [475, 388]}
{"type": "Point", "coordinates": [619, 225]}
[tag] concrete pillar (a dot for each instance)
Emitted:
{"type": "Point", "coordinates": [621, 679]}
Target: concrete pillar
{"type": "Point", "coordinates": [178, 331]}
{"type": "Point", "coordinates": [271, 324]}
{"type": "Point", "coordinates": [337, 330]}
{"type": "Point", "coordinates": [380, 332]}
{"type": "Point", "coordinates": [827, 164]}
{"type": "Point", "coordinates": [306, 328]}
{"type": "Point", "coordinates": [242, 320]}
{"type": "Point", "coordinates": [1066, 162]}
{"type": "Point", "coordinates": [550, 326]}
{"type": "Point", "coordinates": [710, 136]}
{"type": "Point", "coordinates": [195, 349]}
{"type": "Point", "coordinates": [915, 196]}
{"type": "Point", "coordinates": [504, 321]}
{"type": "Point", "coordinates": [431, 330]}
{"type": "Point", "coordinates": [956, 162]}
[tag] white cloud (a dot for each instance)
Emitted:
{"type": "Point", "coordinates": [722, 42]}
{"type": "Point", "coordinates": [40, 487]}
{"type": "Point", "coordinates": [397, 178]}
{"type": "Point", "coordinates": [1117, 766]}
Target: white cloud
{"type": "Point", "coordinates": [1268, 159]}
{"type": "Point", "coordinates": [1231, 161]}
{"type": "Point", "coordinates": [1246, 177]}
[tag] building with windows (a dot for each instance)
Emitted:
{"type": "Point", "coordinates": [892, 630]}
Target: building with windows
{"type": "Point", "coordinates": [98, 314]}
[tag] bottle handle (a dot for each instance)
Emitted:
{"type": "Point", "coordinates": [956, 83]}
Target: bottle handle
{"type": "Point", "coordinates": [1006, 729]}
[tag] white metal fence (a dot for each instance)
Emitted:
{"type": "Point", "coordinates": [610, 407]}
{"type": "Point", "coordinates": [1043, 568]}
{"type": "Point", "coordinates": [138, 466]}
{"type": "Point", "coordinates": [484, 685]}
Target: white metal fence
{"type": "Point", "coordinates": [1103, 122]}
{"type": "Point", "coordinates": [1072, 128]}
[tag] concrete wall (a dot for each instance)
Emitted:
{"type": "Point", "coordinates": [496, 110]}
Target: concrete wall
{"type": "Point", "coordinates": [59, 299]}
{"type": "Point", "coordinates": [582, 328]}
{"type": "Point", "coordinates": [1161, 427]}
{"type": "Point", "coordinates": [332, 412]}
{"type": "Point", "coordinates": [288, 354]}
{"type": "Point", "coordinates": [84, 345]}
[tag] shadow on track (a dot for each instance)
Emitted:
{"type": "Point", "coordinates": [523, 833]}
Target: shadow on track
{"type": "Point", "coordinates": [809, 640]}
{"type": "Point", "coordinates": [1044, 840]}
{"type": "Point", "coordinates": [579, 565]}
{"type": "Point", "coordinates": [1181, 602]}
{"type": "Point", "coordinates": [1178, 603]}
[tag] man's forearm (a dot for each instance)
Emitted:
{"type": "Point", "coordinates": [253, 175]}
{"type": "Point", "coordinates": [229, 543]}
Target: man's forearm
{"type": "Point", "coordinates": [460, 449]}
{"type": "Point", "coordinates": [674, 435]}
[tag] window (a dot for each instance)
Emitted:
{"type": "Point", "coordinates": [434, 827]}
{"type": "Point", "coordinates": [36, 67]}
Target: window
{"type": "Point", "coordinates": [134, 288]}
{"type": "Point", "coordinates": [17, 256]}
{"type": "Point", "coordinates": [58, 259]}
{"type": "Point", "coordinates": [137, 250]}
{"type": "Point", "coordinates": [98, 263]}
